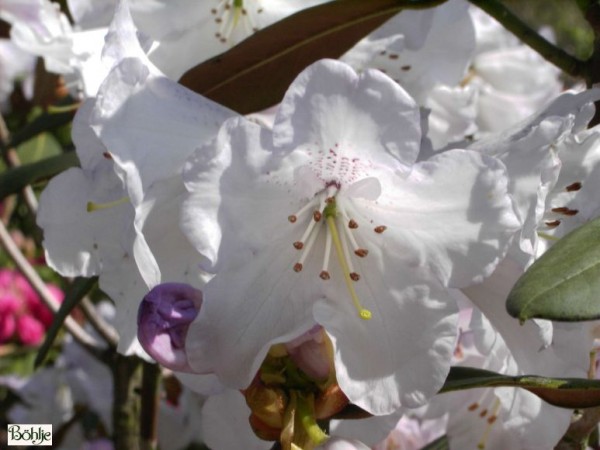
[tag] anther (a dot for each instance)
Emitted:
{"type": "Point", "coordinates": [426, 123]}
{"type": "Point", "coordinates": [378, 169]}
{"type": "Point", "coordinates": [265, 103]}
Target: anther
{"type": "Point", "coordinates": [297, 267]}
{"type": "Point", "coordinates": [298, 245]}
{"type": "Point", "coordinates": [361, 252]}
{"type": "Point", "coordinates": [566, 211]}
{"type": "Point", "coordinates": [483, 413]}
{"type": "Point", "coordinates": [473, 406]}
{"type": "Point", "coordinates": [573, 187]}
{"type": "Point", "coordinates": [107, 155]}
{"type": "Point", "coordinates": [380, 229]}
{"type": "Point", "coordinates": [355, 276]}
{"type": "Point", "coordinates": [317, 216]}
{"type": "Point", "coordinates": [352, 224]}
{"type": "Point", "coordinates": [553, 223]}
{"type": "Point", "coordinates": [324, 275]}
{"type": "Point", "coordinates": [492, 419]}
{"type": "Point", "coordinates": [292, 218]}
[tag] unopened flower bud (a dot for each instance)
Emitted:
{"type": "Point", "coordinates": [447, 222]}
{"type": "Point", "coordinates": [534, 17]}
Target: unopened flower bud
{"type": "Point", "coordinates": [164, 317]}
{"type": "Point", "coordinates": [267, 403]}
{"type": "Point", "coordinates": [312, 353]}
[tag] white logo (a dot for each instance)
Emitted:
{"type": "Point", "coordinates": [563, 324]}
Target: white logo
{"type": "Point", "coordinates": [39, 434]}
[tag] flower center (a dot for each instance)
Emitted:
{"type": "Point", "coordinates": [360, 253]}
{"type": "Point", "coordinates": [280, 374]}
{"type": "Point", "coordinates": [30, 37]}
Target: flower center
{"type": "Point", "coordinates": [326, 212]}
{"type": "Point", "coordinates": [230, 15]}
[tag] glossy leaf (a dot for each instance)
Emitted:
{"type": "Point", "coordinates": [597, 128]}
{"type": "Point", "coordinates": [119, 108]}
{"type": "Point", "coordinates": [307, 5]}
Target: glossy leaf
{"type": "Point", "coordinates": [14, 180]}
{"type": "Point", "coordinates": [256, 73]}
{"type": "Point", "coordinates": [78, 289]}
{"type": "Point", "coordinates": [563, 392]}
{"type": "Point", "coordinates": [564, 284]}
{"type": "Point", "coordinates": [440, 443]}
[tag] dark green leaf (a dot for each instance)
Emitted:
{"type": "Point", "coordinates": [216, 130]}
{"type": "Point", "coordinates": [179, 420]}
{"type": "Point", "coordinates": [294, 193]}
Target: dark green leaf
{"type": "Point", "coordinates": [47, 121]}
{"type": "Point", "coordinates": [14, 180]}
{"type": "Point", "coordinates": [440, 443]}
{"type": "Point", "coordinates": [79, 288]}
{"type": "Point", "coordinates": [256, 73]}
{"type": "Point", "coordinates": [563, 392]}
{"type": "Point", "coordinates": [564, 284]}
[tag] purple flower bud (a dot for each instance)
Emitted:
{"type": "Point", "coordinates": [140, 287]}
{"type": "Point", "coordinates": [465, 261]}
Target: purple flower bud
{"type": "Point", "coordinates": [164, 317]}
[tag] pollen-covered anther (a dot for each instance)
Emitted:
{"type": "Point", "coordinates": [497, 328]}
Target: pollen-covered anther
{"type": "Point", "coordinates": [355, 276]}
{"type": "Point", "coordinates": [297, 267]}
{"type": "Point", "coordinates": [483, 413]}
{"type": "Point", "coordinates": [352, 224]}
{"type": "Point", "coordinates": [473, 406]}
{"type": "Point", "coordinates": [298, 245]}
{"type": "Point", "coordinates": [492, 419]}
{"type": "Point", "coordinates": [553, 223]}
{"type": "Point", "coordinates": [380, 229]}
{"type": "Point", "coordinates": [361, 252]}
{"type": "Point", "coordinates": [324, 275]}
{"type": "Point", "coordinates": [317, 216]}
{"type": "Point", "coordinates": [573, 187]}
{"type": "Point", "coordinates": [292, 218]}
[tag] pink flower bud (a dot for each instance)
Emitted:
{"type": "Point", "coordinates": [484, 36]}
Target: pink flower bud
{"type": "Point", "coordinates": [312, 354]}
{"type": "Point", "coordinates": [164, 317]}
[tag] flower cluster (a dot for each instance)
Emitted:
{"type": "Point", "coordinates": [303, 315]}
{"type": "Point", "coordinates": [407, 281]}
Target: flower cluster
{"type": "Point", "coordinates": [335, 255]}
{"type": "Point", "coordinates": [23, 316]}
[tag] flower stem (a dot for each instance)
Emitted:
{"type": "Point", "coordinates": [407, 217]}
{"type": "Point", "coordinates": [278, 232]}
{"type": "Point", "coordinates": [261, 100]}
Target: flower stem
{"type": "Point", "coordinates": [557, 56]}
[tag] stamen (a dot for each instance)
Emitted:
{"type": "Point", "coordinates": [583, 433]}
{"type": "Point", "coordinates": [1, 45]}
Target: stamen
{"type": "Point", "coordinates": [362, 312]}
{"type": "Point", "coordinates": [360, 252]}
{"type": "Point", "coordinates": [490, 421]}
{"type": "Point", "coordinates": [91, 206]}
{"type": "Point", "coordinates": [353, 274]}
{"type": "Point", "coordinates": [311, 241]}
{"type": "Point", "coordinates": [566, 211]}
{"type": "Point", "coordinates": [302, 210]}
{"type": "Point", "coordinates": [324, 272]}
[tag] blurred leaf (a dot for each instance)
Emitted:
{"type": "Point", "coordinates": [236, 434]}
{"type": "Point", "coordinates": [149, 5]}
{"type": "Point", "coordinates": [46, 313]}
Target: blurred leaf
{"type": "Point", "coordinates": [47, 121]}
{"type": "Point", "coordinates": [562, 392]}
{"type": "Point", "coordinates": [256, 73]}
{"type": "Point", "coordinates": [43, 146]}
{"type": "Point", "coordinates": [564, 284]}
{"type": "Point", "coordinates": [14, 180]}
{"type": "Point", "coordinates": [78, 289]}
{"type": "Point", "coordinates": [440, 443]}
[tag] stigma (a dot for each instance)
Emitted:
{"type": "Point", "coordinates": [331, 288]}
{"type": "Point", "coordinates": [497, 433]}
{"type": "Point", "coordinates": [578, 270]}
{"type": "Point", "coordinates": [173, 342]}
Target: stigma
{"type": "Point", "coordinates": [324, 213]}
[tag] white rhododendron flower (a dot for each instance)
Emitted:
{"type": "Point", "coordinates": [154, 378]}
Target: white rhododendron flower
{"type": "Point", "coordinates": [328, 219]}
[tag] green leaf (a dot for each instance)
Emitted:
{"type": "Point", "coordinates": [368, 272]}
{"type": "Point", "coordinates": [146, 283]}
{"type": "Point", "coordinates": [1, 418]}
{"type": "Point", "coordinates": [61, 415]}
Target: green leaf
{"type": "Point", "coordinates": [564, 284]}
{"type": "Point", "coordinates": [256, 73]}
{"type": "Point", "coordinates": [440, 443]}
{"type": "Point", "coordinates": [14, 180]}
{"type": "Point", "coordinates": [79, 288]}
{"type": "Point", "coordinates": [47, 121]}
{"type": "Point", "coordinates": [562, 392]}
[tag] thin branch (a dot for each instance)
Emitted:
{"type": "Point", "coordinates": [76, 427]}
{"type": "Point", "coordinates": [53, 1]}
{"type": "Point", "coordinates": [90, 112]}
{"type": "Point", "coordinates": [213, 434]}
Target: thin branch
{"type": "Point", "coordinates": [557, 56]}
{"type": "Point", "coordinates": [107, 331]}
{"type": "Point", "coordinates": [79, 334]}
{"type": "Point", "coordinates": [150, 405]}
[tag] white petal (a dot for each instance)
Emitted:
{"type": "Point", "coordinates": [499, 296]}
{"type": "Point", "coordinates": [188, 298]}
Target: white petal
{"type": "Point", "coordinates": [225, 423]}
{"type": "Point", "coordinates": [456, 228]}
{"type": "Point", "coordinates": [401, 356]}
{"type": "Point", "coordinates": [368, 116]}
